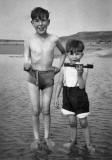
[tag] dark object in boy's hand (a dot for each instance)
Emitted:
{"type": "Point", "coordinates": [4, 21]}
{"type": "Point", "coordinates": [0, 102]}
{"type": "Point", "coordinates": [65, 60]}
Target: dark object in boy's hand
{"type": "Point", "coordinates": [90, 66]}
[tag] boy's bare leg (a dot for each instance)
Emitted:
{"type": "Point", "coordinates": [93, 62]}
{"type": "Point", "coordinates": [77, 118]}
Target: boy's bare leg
{"type": "Point", "coordinates": [46, 101]}
{"type": "Point", "coordinates": [73, 127]}
{"type": "Point", "coordinates": [35, 99]}
{"type": "Point", "coordinates": [73, 132]}
{"type": "Point", "coordinates": [84, 125]}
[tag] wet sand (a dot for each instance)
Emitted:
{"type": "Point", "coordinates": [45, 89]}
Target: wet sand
{"type": "Point", "coordinates": [16, 122]}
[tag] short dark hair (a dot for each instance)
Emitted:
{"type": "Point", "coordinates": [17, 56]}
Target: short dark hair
{"type": "Point", "coordinates": [74, 44]}
{"type": "Point", "coordinates": [39, 12]}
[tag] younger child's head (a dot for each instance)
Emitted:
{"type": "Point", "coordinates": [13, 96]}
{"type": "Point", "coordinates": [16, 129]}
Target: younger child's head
{"type": "Point", "coordinates": [74, 49]}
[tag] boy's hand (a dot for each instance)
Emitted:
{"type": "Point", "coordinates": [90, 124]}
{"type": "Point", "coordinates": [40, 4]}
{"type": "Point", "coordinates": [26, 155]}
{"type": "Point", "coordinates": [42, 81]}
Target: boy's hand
{"type": "Point", "coordinates": [56, 103]}
{"type": "Point", "coordinates": [27, 66]}
{"type": "Point", "coordinates": [79, 69]}
{"type": "Point", "coordinates": [56, 70]}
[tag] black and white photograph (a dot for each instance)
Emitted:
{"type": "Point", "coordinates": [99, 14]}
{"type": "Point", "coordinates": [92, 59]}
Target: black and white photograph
{"type": "Point", "coordinates": [55, 80]}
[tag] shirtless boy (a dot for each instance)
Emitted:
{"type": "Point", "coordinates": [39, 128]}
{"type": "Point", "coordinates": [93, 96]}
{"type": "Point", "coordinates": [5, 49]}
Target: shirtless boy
{"type": "Point", "coordinates": [39, 56]}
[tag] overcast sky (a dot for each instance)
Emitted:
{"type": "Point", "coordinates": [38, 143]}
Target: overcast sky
{"type": "Point", "coordinates": [67, 16]}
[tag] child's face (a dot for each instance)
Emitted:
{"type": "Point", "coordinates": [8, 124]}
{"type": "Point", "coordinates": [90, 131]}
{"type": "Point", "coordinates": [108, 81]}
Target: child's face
{"type": "Point", "coordinates": [40, 25]}
{"type": "Point", "coordinates": [75, 55]}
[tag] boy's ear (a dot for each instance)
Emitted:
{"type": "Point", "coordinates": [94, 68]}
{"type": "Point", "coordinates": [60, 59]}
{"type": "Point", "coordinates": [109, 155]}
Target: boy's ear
{"type": "Point", "coordinates": [82, 53]}
{"type": "Point", "coordinates": [48, 21]}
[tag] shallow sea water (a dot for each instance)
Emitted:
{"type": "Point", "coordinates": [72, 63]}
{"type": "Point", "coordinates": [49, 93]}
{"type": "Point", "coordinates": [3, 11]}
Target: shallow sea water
{"type": "Point", "coordinates": [16, 122]}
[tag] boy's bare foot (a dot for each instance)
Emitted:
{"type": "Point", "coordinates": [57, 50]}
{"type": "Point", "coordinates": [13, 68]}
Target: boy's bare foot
{"type": "Point", "coordinates": [50, 144]}
{"type": "Point", "coordinates": [69, 144]}
{"type": "Point", "coordinates": [36, 145]}
{"type": "Point", "coordinates": [90, 148]}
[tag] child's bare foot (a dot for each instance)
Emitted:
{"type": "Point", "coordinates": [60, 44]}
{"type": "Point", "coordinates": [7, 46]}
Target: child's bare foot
{"type": "Point", "coordinates": [69, 144]}
{"type": "Point", "coordinates": [90, 148]}
{"type": "Point", "coordinates": [50, 144]}
{"type": "Point", "coordinates": [70, 147]}
{"type": "Point", "coordinates": [36, 145]}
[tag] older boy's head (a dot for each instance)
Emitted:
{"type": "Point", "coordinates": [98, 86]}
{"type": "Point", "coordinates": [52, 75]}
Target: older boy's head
{"type": "Point", "coordinates": [73, 44]}
{"type": "Point", "coordinates": [39, 12]}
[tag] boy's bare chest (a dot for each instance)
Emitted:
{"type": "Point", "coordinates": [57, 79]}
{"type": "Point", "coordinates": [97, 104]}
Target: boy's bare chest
{"type": "Point", "coordinates": [42, 46]}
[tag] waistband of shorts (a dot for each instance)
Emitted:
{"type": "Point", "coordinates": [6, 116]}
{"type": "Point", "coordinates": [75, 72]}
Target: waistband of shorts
{"type": "Point", "coordinates": [38, 71]}
{"type": "Point", "coordinates": [70, 87]}
{"type": "Point", "coordinates": [44, 71]}
{"type": "Point", "coordinates": [73, 88]}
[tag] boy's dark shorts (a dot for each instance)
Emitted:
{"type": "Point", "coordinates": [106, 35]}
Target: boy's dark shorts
{"type": "Point", "coordinates": [75, 100]}
{"type": "Point", "coordinates": [43, 79]}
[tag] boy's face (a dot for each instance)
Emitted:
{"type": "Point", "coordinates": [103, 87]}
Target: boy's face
{"type": "Point", "coordinates": [40, 25]}
{"type": "Point", "coordinates": [75, 55]}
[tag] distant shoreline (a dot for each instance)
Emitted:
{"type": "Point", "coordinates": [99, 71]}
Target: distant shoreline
{"type": "Point", "coordinates": [100, 36]}
{"type": "Point", "coordinates": [11, 42]}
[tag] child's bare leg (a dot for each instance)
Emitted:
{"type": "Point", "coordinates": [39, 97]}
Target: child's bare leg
{"type": "Point", "coordinates": [35, 99]}
{"type": "Point", "coordinates": [73, 127]}
{"type": "Point", "coordinates": [84, 125]}
{"type": "Point", "coordinates": [46, 100]}
{"type": "Point", "coordinates": [73, 131]}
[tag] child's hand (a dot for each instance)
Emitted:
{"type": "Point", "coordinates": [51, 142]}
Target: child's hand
{"type": "Point", "coordinates": [56, 70]}
{"type": "Point", "coordinates": [79, 69]}
{"type": "Point", "coordinates": [56, 103]}
{"type": "Point", "coordinates": [27, 66]}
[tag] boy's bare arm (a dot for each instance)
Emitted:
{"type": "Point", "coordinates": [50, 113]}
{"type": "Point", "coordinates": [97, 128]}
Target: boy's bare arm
{"type": "Point", "coordinates": [85, 75]}
{"type": "Point", "coordinates": [59, 85]}
{"type": "Point", "coordinates": [27, 53]}
{"type": "Point", "coordinates": [63, 55]}
{"type": "Point", "coordinates": [27, 58]}
{"type": "Point", "coordinates": [58, 89]}
{"type": "Point", "coordinates": [82, 76]}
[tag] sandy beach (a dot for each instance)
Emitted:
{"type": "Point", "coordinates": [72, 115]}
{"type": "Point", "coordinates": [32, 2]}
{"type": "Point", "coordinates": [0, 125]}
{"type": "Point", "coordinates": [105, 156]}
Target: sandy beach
{"type": "Point", "coordinates": [16, 122]}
